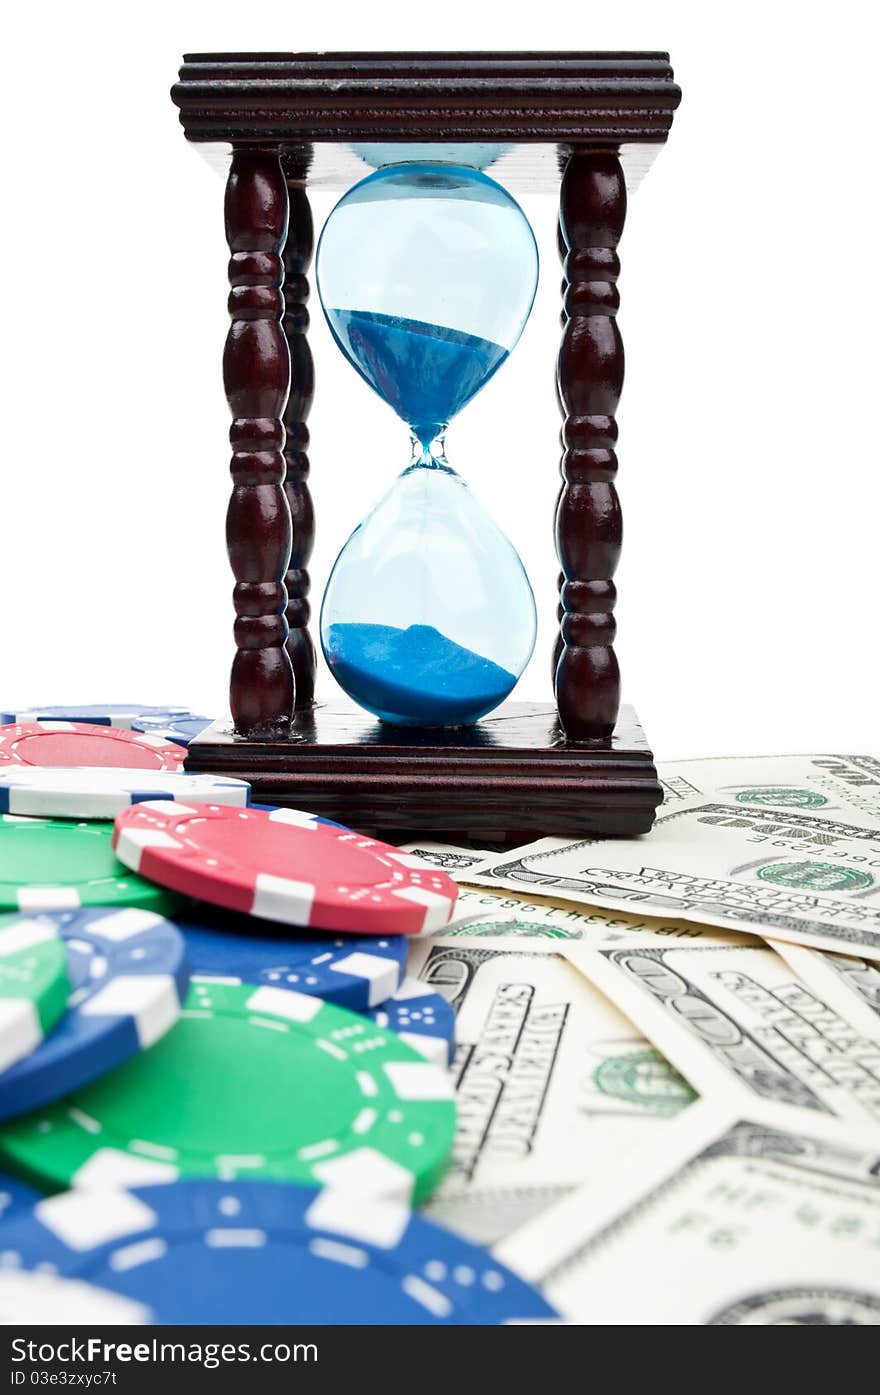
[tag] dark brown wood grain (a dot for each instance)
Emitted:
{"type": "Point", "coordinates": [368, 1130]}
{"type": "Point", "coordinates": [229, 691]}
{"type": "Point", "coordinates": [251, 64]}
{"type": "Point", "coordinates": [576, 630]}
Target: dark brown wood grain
{"type": "Point", "coordinates": [590, 380]}
{"type": "Point", "coordinates": [510, 778]}
{"type": "Point", "coordinates": [256, 372]}
{"type": "Point", "coordinates": [522, 97]}
{"type": "Point", "coordinates": [562, 252]}
{"type": "Point", "coordinates": [297, 258]}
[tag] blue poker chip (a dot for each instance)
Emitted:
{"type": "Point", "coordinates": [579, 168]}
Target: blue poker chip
{"type": "Point", "coordinates": [194, 1252]}
{"type": "Point", "coordinates": [112, 715]}
{"type": "Point", "coordinates": [16, 1198]}
{"type": "Point", "coordinates": [174, 726]}
{"type": "Point", "coordinates": [354, 971]}
{"type": "Point", "coordinates": [129, 977]}
{"type": "Point", "coordinates": [424, 1019]}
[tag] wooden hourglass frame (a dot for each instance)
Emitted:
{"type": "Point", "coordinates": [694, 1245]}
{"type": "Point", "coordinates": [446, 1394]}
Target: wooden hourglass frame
{"type": "Point", "coordinates": [585, 123]}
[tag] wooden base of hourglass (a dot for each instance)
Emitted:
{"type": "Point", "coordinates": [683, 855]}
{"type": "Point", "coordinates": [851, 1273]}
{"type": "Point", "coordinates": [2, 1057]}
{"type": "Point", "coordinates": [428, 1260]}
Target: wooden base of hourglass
{"type": "Point", "coordinates": [510, 778]}
{"type": "Point", "coordinates": [585, 124]}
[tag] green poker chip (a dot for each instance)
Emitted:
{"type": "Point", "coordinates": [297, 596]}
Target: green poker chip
{"type": "Point", "coordinates": [34, 986]}
{"type": "Point", "coordinates": [57, 865]}
{"type": "Point", "coordinates": [257, 1082]}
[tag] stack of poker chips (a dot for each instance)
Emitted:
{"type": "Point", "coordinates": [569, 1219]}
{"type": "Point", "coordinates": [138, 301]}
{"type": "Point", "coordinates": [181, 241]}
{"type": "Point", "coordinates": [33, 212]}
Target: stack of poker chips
{"type": "Point", "coordinates": [205, 1021]}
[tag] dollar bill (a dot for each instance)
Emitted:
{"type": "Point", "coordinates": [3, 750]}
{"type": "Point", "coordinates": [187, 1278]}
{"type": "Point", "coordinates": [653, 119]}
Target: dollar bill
{"type": "Point", "coordinates": [553, 1084]}
{"type": "Point", "coordinates": [730, 1219]}
{"type": "Point", "coordinates": [787, 874]}
{"type": "Point", "coordinates": [453, 860]}
{"type": "Point", "coordinates": [482, 911]}
{"type": "Point", "coordinates": [737, 1021]}
{"type": "Point", "coordinates": [479, 911]}
{"type": "Point", "coordinates": [850, 984]}
{"type": "Point", "coordinates": [841, 787]}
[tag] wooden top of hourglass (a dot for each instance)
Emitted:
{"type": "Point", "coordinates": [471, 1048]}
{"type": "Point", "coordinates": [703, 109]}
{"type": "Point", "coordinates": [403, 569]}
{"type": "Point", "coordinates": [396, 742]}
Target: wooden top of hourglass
{"type": "Point", "coordinates": [537, 102]}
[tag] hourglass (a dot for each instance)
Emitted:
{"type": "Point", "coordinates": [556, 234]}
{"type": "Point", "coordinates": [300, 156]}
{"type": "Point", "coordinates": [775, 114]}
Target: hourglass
{"type": "Point", "coordinates": [426, 270]}
{"type": "Point", "coordinates": [428, 618]}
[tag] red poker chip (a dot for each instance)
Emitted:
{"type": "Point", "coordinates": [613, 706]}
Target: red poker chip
{"type": "Point", "coordinates": [83, 743]}
{"type": "Point", "coordinates": [281, 864]}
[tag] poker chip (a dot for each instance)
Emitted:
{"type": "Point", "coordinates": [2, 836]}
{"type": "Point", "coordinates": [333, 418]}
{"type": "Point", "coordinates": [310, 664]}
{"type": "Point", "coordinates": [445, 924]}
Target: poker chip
{"type": "Point", "coordinates": [112, 715]}
{"type": "Point", "coordinates": [425, 1020]}
{"type": "Point", "coordinates": [243, 1252]}
{"type": "Point", "coordinates": [79, 743]}
{"type": "Point", "coordinates": [284, 865]}
{"type": "Point", "coordinates": [54, 864]}
{"type": "Point", "coordinates": [173, 727]}
{"type": "Point", "coordinates": [128, 978]}
{"type": "Point", "coordinates": [16, 1197]}
{"type": "Point", "coordinates": [354, 972]}
{"type": "Point", "coordinates": [99, 792]}
{"type": "Point", "coordinates": [33, 1298]}
{"type": "Point", "coordinates": [33, 986]}
{"type": "Point", "coordinates": [258, 1083]}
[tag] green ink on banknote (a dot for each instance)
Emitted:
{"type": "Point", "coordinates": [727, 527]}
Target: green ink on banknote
{"type": "Point", "coordinates": [789, 798]}
{"type": "Point", "coordinates": [514, 927]}
{"type": "Point", "coordinates": [815, 876]}
{"type": "Point", "coordinates": [644, 1078]}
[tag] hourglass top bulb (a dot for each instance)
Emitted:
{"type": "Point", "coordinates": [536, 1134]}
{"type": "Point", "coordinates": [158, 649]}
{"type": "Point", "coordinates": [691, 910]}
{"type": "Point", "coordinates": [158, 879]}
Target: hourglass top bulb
{"type": "Point", "coordinates": [427, 273]}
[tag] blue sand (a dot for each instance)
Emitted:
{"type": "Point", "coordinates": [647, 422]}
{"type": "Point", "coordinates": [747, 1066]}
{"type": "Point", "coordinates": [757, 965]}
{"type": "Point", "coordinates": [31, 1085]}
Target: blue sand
{"type": "Point", "coordinates": [414, 677]}
{"type": "Point", "coordinates": [426, 373]}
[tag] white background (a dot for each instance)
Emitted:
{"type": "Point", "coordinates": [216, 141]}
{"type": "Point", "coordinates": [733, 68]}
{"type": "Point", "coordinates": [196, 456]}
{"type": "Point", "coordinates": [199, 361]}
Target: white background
{"type": "Point", "coordinates": [748, 437]}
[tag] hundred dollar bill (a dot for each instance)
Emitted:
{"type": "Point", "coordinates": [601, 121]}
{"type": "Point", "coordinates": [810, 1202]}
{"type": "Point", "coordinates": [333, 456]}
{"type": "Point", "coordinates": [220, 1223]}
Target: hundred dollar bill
{"type": "Point", "coordinates": [552, 1083]}
{"type": "Point", "coordinates": [737, 1020]}
{"type": "Point", "coordinates": [841, 787]}
{"type": "Point", "coordinates": [787, 874]}
{"type": "Point", "coordinates": [851, 985]}
{"type": "Point", "coordinates": [454, 860]}
{"type": "Point", "coordinates": [481, 911]}
{"type": "Point", "coordinates": [726, 1221]}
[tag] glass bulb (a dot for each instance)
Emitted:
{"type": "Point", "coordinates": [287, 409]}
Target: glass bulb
{"type": "Point", "coordinates": [427, 273]}
{"type": "Point", "coordinates": [473, 153]}
{"type": "Point", "coordinates": [428, 617]}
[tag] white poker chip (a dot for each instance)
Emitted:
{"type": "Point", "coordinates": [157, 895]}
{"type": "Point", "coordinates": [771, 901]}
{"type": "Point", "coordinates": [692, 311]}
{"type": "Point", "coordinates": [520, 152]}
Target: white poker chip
{"type": "Point", "coordinates": [94, 714]}
{"type": "Point", "coordinates": [101, 792]}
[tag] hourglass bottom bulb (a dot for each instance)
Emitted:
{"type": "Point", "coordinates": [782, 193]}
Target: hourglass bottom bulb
{"type": "Point", "coordinates": [414, 677]}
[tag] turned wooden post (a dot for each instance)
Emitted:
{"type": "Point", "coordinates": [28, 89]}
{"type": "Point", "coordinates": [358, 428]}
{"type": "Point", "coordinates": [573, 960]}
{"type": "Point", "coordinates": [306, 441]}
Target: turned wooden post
{"type": "Point", "coordinates": [256, 373]}
{"type": "Point", "coordinates": [590, 379]}
{"type": "Point", "coordinates": [562, 252]}
{"type": "Point", "coordinates": [297, 257]}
